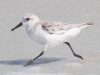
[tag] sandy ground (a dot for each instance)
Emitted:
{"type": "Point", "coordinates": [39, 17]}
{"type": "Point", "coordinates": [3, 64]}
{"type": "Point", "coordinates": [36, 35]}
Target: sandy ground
{"type": "Point", "coordinates": [16, 48]}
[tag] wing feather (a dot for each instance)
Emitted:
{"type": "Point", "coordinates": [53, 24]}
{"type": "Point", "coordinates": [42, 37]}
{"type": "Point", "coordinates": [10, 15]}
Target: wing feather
{"type": "Point", "coordinates": [54, 27]}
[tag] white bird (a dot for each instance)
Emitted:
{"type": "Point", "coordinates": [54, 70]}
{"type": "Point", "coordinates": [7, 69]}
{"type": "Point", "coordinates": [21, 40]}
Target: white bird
{"type": "Point", "coordinates": [50, 33]}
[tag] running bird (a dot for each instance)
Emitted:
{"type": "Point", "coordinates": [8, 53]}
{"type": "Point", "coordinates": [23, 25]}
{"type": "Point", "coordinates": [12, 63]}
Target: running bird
{"type": "Point", "coordinates": [50, 33]}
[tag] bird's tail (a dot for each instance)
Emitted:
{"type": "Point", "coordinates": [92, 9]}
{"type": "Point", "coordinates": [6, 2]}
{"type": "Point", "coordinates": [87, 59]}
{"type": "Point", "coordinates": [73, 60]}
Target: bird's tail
{"type": "Point", "coordinates": [83, 25]}
{"type": "Point", "coordinates": [89, 23]}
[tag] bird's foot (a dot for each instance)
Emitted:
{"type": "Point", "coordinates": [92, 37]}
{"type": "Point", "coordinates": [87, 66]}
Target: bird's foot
{"type": "Point", "coordinates": [29, 63]}
{"type": "Point", "coordinates": [78, 56]}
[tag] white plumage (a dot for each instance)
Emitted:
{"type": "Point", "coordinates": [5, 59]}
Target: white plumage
{"type": "Point", "coordinates": [50, 33]}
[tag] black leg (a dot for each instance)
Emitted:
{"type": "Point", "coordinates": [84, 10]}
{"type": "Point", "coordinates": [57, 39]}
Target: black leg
{"type": "Point", "coordinates": [30, 62]}
{"type": "Point", "coordinates": [73, 51]}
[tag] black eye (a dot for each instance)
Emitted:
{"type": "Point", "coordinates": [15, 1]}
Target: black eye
{"type": "Point", "coordinates": [27, 19]}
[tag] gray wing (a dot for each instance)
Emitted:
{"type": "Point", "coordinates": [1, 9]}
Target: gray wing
{"type": "Point", "coordinates": [53, 27]}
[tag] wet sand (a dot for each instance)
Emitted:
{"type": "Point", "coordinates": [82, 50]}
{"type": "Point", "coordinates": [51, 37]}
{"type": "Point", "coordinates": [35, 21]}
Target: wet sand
{"type": "Point", "coordinates": [17, 48]}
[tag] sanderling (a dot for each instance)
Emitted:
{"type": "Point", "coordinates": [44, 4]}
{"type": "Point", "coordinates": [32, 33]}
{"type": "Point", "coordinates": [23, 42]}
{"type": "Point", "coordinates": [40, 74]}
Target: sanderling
{"type": "Point", "coordinates": [50, 33]}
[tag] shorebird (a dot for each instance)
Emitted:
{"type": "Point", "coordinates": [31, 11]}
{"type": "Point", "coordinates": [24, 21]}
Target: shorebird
{"type": "Point", "coordinates": [50, 33]}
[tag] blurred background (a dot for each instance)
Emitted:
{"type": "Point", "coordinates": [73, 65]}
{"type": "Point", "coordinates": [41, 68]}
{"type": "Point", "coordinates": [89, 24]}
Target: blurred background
{"type": "Point", "coordinates": [16, 48]}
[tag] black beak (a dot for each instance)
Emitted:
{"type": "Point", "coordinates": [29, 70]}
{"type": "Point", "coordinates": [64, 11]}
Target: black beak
{"type": "Point", "coordinates": [19, 25]}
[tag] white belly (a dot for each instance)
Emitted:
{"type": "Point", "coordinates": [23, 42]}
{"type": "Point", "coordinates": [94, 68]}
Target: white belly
{"type": "Point", "coordinates": [43, 37]}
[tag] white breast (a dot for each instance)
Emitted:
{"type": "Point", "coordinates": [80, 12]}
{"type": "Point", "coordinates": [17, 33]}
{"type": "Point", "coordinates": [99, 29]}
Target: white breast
{"type": "Point", "coordinates": [35, 35]}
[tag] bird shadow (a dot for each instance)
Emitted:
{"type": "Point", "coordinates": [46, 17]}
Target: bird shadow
{"type": "Point", "coordinates": [36, 62]}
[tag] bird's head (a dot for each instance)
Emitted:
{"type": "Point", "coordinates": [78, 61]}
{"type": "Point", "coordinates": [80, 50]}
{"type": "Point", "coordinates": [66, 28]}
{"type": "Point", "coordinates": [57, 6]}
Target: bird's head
{"type": "Point", "coordinates": [27, 20]}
